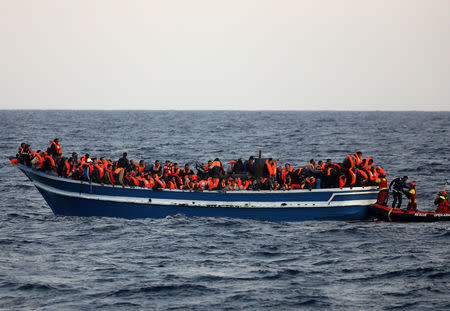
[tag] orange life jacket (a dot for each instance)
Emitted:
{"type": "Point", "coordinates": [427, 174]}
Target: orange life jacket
{"type": "Point", "coordinates": [342, 181]}
{"type": "Point", "coordinates": [352, 164]}
{"type": "Point", "coordinates": [57, 148]}
{"type": "Point", "coordinates": [110, 174]}
{"type": "Point", "coordinates": [271, 168]}
{"type": "Point", "coordinates": [358, 159]}
{"type": "Point", "coordinates": [67, 165]}
{"type": "Point", "coordinates": [52, 162]}
{"type": "Point", "coordinates": [353, 175]}
{"type": "Point", "coordinates": [40, 158]}
{"type": "Point", "coordinates": [100, 170]}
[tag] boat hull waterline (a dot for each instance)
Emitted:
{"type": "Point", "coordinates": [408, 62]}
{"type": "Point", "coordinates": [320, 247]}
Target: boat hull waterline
{"type": "Point", "coordinates": [79, 198]}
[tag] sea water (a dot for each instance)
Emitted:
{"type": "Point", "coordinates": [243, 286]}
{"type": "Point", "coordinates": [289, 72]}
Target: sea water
{"type": "Point", "coordinates": [50, 262]}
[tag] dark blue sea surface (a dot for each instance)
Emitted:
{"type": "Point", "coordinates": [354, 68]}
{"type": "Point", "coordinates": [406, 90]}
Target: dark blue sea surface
{"type": "Point", "coordinates": [179, 263]}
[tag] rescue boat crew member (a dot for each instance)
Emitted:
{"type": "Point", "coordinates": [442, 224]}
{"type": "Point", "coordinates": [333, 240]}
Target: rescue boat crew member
{"type": "Point", "coordinates": [399, 185]}
{"type": "Point", "coordinates": [442, 203]}
{"type": "Point", "coordinates": [383, 195]}
{"type": "Point", "coordinates": [411, 194]}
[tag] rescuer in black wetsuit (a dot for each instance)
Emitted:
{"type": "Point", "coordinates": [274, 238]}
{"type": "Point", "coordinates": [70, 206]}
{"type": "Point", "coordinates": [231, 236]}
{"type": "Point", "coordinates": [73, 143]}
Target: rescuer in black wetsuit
{"type": "Point", "coordinates": [398, 184]}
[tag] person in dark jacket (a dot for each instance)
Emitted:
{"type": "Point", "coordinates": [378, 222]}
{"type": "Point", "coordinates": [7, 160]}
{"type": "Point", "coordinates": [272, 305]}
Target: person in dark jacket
{"type": "Point", "coordinates": [123, 161]}
{"type": "Point", "coordinates": [398, 185]}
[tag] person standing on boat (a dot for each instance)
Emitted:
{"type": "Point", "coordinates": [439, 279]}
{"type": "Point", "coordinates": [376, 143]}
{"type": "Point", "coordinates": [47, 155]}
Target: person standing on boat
{"type": "Point", "coordinates": [442, 203]}
{"type": "Point", "coordinates": [399, 184]}
{"type": "Point", "coordinates": [412, 195]}
{"type": "Point", "coordinates": [55, 148]}
{"type": "Point", "coordinates": [383, 195]}
{"type": "Point", "coordinates": [123, 161]}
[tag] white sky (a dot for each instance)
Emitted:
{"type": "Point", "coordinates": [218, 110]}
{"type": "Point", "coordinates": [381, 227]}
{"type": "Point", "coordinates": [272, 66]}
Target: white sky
{"type": "Point", "coordinates": [246, 55]}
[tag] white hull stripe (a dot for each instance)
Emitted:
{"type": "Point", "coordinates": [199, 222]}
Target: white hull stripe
{"type": "Point", "coordinates": [214, 204]}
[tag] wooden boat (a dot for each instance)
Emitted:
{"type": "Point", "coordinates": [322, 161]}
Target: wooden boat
{"type": "Point", "coordinates": [70, 197]}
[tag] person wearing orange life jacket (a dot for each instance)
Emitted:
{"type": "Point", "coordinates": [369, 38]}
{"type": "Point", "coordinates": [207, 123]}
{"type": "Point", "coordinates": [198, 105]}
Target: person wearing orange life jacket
{"type": "Point", "coordinates": [412, 195]}
{"type": "Point", "coordinates": [383, 194]}
{"type": "Point", "coordinates": [132, 179]}
{"type": "Point", "coordinates": [141, 166]}
{"type": "Point", "coordinates": [214, 183]}
{"type": "Point", "coordinates": [287, 185]}
{"type": "Point", "coordinates": [159, 183]}
{"type": "Point", "coordinates": [109, 175]}
{"type": "Point", "coordinates": [271, 168]}
{"type": "Point", "coordinates": [97, 171]}
{"type": "Point", "coordinates": [217, 168]}
{"type": "Point", "coordinates": [362, 179]}
{"type": "Point", "coordinates": [67, 168]}
{"type": "Point", "coordinates": [442, 203]}
{"type": "Point", "coordinates": [287, 170]}
{"type": "Point", "coordinates": [176, 170]}
{"type": "Point", "coordinates": [49, 163]}
{"type": "Point", "coordinates": [38, 160]}
{"type": "Point", "coordinates": [54, 149]}
{"type": "Point", "coordinates": [358, 158]}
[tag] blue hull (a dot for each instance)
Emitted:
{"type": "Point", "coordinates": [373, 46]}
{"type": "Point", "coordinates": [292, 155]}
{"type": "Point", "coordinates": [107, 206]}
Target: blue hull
{"type": "Point", "coordinates": [75, 198]}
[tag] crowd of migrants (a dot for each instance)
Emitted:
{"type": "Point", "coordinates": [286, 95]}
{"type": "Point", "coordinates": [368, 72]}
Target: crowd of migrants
{"type": "Point", "coordinates": [352, 172]}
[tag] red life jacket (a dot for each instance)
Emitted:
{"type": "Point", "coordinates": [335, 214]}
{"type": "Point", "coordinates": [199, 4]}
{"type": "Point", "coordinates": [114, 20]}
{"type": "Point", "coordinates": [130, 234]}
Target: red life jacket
{"type": "Point", "coordinates": [57, 147]}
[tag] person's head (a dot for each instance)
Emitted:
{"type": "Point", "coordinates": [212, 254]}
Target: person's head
{"type": "Point", "coordinates": [94, 160]}
{"type": "Point", "coordinates": [175, 165]}
{"type": "Point", "coordinates": [56, 140]}
{"type": "Point", "coordinates": [312, 161]}
{"type": "Point", "coordinates": [251, 159]}
{"type": "Point", "coordinates": [124, 154]}
{"type": "Point", "coordinates": [412, 185]}
{"type": "Point", "coordinates": [186, 166]}
{"type": "Point", "coordinates": [131, 162]}
{"type": "Point", "coordinates": [443, 193]}
{"type": "Point", "coordinates": [370, 161]}
{"type": "Point", "coordinates": [359, 153]}
{"type": "Point", "coordinates": [157, 162]}
{"type": "Point", "coordinates": [287, 165]}
{"type": "Point", "coordinates": [141, 162]}
{"type": "Point", "coordinates": [405, 178]}
{"type": "Point", "coordinates": [328, 161]}
{"type": "Point", "coordinates": [209, 162]}
{"type": "Point", "coordinates": [74, 154]}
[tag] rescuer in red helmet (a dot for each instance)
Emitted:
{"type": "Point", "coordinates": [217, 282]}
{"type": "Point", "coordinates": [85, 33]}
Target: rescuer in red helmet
{"type": "Point", "coordinates": [442, 203]}
{"type": "Point", "coordinates": [411, 194]}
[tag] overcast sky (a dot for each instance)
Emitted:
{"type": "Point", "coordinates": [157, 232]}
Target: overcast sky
{"type": "Point", "coordinates": [246, 55]}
